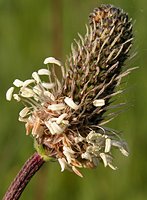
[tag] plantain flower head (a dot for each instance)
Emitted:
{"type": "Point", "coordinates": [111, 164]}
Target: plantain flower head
{"type": "Point", "coordinates": [66, 117]}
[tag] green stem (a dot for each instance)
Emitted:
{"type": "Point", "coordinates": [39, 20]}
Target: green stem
{"type": "Point", "coordinates": [31, 166]}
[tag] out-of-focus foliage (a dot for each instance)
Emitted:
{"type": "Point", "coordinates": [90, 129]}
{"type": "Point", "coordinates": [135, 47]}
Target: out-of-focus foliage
{"type": "Point", "coordinates": [27, 30]}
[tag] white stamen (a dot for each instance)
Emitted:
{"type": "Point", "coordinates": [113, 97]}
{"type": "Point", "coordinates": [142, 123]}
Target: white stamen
{"type": "Point", "coordinates": [26, 92]}
{"type": "Point", "coordinates": [76, 171]}
{"type": "Point", "coordinates": [57, 129]}
{"type": "Point", "coordinates": [124, 152]}
{"type": "Point", "coordinates": [50, 95]}
{"type": "Point", "coordinates": [56, 107]}
{"type": "Point", "coordinates": [36, 77]}
{"type": "Point", "coordinates": [43, 72]}
{"type": "Point", "coordinates": [71, 103]}
{"type": "Point", "coordinates": [23, 119]}
{"type": "Point", "coordinates": [61, 117]}
{"type": "Point", "coordinates": [66, 122]}
{"type": "Point", "coordinates": [79, 139]}
{"type": "Point", "coordinates": [16, 97]}
{"type": "Point", "coordinates": [121, 147]}
{"type": "Point", "coordinates": [86, 156]}
{"type": "Point", "coordinates": [62, 163]}
{"type": "Point", "coordinates": [103, 156]}
{"type": "Point", "coordinates": [111, 166]}
{"type": "Point", "coordinates": [48, 124]}
{"type": "Point", "coordinates": [68, 156]}
{"type": "Point", "coordinates": [107, 145]}
{"type": "Point", "coordinates": [28, 82]}
{"type": "Point", "coordinates": [99, 102]}
{"type": "Point", "coordinates": [18, 83]}
{"type": "Point", "coordinates": [65, 148]}
{"type": "Point", "coordinates": [116, 143]}
{"type": "Point", "coordinates": [48, 85]}
{"type": "Point", "coordinates": [24, 112]}
{"type": "Point", "coordinates": [37, 90]}
{"type": "Point", "coordinates": [9, 93]}
{"type": "Point", "coordinates": [52, 61]}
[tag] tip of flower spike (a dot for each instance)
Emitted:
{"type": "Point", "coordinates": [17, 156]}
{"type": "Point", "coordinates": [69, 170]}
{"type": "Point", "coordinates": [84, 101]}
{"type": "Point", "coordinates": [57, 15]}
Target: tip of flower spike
{"type": "Point", "coordinates": [52, 60]}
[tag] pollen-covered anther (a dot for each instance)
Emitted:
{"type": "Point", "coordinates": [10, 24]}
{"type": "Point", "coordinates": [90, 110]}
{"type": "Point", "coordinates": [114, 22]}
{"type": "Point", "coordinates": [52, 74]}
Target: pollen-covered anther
{"type": "Point", "coordinates": [54, 128]}
{"type": "Point", "coordinates": [107, 145]}
{"type": "Point", "coordinates": [52, 60]}
{"type": "Point", "coordinates": [99, 102]}
{"type": "Point", "coordinates": [16, 97]}
{"type": "Point", "coordinates": [26, 92]}
{"type": "Point", "coordinates": [24, 112]}
{"type": "Point", "coordinates": [87, 156]}
{"type": "Point", "coordinates": [68, 152]}
{"type": "Point", "coordinates": [69, 101]}
{"type": "Point", "coordinates": [9, 93]}
{"type": "Point", "coordinates": [61, 118]}
{"type": "Point", "coordinates": [28, 82]}
{"type": "Point", "coordinates": [62, 163]}
{"type": "Point", "coordinates": [56, 107]}
{"type": "Point", "coordinates": [36, 77]}
{"type": "Point", "coordinates": [44, 72]}
{"type": "Point", "coordinates": [104, 158]}
{"type": "Point", "coordinates": [18, 83]}
{"type": "Point", "coordinates": [48, 85]}
{"type": "Point", "coordinates": [121, 145]}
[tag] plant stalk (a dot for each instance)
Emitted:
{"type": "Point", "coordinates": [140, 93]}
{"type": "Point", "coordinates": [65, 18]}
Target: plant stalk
{"type": "Point", "coordinates": [31, 166]}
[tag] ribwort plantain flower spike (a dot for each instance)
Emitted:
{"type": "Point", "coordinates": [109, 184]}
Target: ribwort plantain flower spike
{"type": "Point", "coordinates": [66, 117]}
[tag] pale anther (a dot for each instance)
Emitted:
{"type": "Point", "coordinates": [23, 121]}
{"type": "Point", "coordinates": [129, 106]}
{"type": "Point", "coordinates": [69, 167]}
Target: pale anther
{"type": "Point", "coordinates": [62, 163]}
{"type": "Point", "coordinates": [99, 102]}
{"type": "Point", "coordinates": [71, 103]}
{"type": "Point", "coordinates": [56, 107]}
{"type": "Point", "coordinates": [9, 93]}
{"type": "Point", "coordinates": [18, 83]}
{"type": "Point", "coordinates": [36, 77]}
{"type": "Point", "coordinates": [43, 72]}
{"type": "Point", "coordinates": [52, 61]}
{"type": "Point", "coordinates": [107, 145]}
{"type": "Point", "coordinates": [24, 112]}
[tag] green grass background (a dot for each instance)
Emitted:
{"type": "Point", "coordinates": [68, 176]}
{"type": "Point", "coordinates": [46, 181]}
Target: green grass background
{"type": "Point", "coordinates": [27, 37]}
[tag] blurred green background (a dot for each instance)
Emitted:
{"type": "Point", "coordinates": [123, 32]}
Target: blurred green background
{"type": "Point", "coordinates": [33, 30]}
